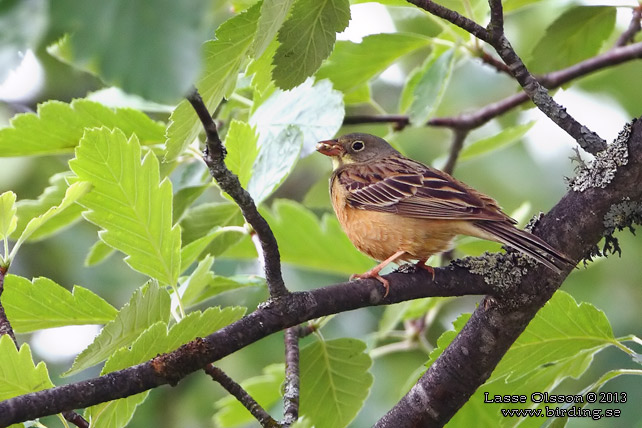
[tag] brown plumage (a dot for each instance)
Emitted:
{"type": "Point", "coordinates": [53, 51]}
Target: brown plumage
{"type": "Point", "coordinates": [396, 209]}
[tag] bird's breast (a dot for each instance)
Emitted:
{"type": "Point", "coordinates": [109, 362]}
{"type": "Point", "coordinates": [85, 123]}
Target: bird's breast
{"type": "Point", "coordinates": [379, 234]}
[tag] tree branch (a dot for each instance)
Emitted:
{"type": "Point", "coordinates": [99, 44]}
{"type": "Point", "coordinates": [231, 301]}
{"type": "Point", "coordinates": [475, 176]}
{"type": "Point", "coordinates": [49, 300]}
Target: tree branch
{"type": "Point", "coordinates": [241, 395]}
{"type": "Point", "coordinates": [459, 136]}
{"type": "Point", "coordinates": [291, 391]}
{"type": "Point", "coordinates": [498, 321]}
{"type": "Point", "coordinates": [634, 27]}
{"type": "Point", "coordinates": [5, 325]}
{"type": "Point", "coordinates": [214, 157]}
{"type": "Point", "coordinates": [575, 225]}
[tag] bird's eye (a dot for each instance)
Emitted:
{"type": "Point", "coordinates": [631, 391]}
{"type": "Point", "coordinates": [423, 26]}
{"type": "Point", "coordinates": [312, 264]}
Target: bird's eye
{"type": "Point", "coordinates": [357, 146]}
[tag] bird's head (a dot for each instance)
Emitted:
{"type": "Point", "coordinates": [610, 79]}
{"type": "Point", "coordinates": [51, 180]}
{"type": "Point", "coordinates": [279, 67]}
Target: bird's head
{"type": "Point", "coordinates": [355, 148]}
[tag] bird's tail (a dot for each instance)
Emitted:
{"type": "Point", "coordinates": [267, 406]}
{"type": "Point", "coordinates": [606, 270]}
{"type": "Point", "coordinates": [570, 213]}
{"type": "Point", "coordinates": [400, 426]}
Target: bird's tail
{"type": "Point", "coordinates": [527, 243]}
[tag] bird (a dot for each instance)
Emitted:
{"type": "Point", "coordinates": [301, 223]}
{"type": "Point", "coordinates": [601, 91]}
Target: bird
{"type": "Point", "coordinates": [395, 209]}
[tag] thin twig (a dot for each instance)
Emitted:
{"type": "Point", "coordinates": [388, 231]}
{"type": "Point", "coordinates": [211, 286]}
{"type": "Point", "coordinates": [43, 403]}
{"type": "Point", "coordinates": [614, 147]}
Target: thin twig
{"type": "Point", "coordinates": [241, 395]}
{"type": "Point", "coordinates": [494, 62]}
{"type": "Point", "coordinates": [214, 157]}
{"type": "Point", "coordinates": [75, 419]}
{"type": "Point", "coordinates": [459, 136]}
{"type": "Point", "coordinates": [551, 80]}
{"type": "Point", "coordinates": [5, 325]}
{"type": "Point", "coordinates": [634, 27]}
{"type": "Point", "coordinates": [292, 381]}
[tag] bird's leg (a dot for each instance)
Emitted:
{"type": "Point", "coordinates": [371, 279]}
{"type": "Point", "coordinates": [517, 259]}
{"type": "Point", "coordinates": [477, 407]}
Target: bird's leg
{"type": "Point", "coordinates": [374, 272]}
{"type": "Point", "coordinates": [422, 264]}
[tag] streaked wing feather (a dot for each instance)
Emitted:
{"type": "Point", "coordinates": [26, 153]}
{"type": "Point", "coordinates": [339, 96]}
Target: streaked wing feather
{"type": "Point", "coordinates": [411, 189]}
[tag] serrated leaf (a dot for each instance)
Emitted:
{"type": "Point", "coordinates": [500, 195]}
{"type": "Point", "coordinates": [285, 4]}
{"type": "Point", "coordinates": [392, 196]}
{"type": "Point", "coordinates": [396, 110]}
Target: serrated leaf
{"type": "Point", "coordinates": [276, 159]}
{"type": "Point", "coordinates": [273, 14]}
{"type": "Point", "coordinates": [72, 194]}
{"type": "Point", "coordinates": [98, 253]}
{"type": "Point", "coordinates": [129, 202]}
{"type": "Point", "coordinates": [559, 342]}
{"type": "Point", "coordinates": [561, 330]}
{"type": "Point", "coordinates": [241, 144]}
{"type": "Point", "coordinates": [18, 374]}
{"type": "Point", "coordinates": [168, 37]}
{"type": "Point", "coordinates": [315, 108]}
{"type": "Point", "coordinates": [430, 88]}
{"type": "Point", "coordinates": [8, 218]}
{"type": "Point", "coordinates": [335, 381]}
{"type": "Point", "coordinates": [223, 59]}
{"type": "Point", "coordinates": [306, 38]}
{"type": "Point", "coordinates": [576, 35]}
{"type": "Point", "coordinates": [115, 413]}
{"type": "Point", "coordinates": [44, 304]}
{"type": "Point", "coordinates": [353, 64]}
{"type": "Point", "coordinates": [265, 389]}
{"type": "Point", "coordinates": [498, 141]}
{"type": "Point", "coordinates": [57, 127]}
{"type": "Point", "coordinates": [148, 305]}
{"type": "Point", "coordinates": [50, 197]}
{"type": "Point", "coordinates": [326, 248]}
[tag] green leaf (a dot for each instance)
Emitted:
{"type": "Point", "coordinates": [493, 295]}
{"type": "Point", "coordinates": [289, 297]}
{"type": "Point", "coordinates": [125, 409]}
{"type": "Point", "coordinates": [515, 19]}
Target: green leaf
{"type": "Point", "coordinates": [8, 218]}
{"type": "Point", "coordinates": [153, 341]}
{"type": "Point", "coordinates": [498, 141]}
{"type": "Point", "coordinates": [44, 304]}
{"type": "Point", "coordinates": [115, 413]}
{"type": "Point", "coordinates": [276, 159]}
{"type": "Point", "coordinates": [194, 284]}
{"type": "Point", "coordinates": [185, 197]}
{"type": "Point", "coordinates": [315, 108]}
{"type": "Point", "coordinates": [559, 343]}
{"type": "Point", "coordinates": [18, 374]}
{"type": "Point", "coordinates": [577, 34]}
{"type": "Point", "coordinates": [220, 284]}
{"type": "Point", "coordinates": [273, 14]}
{"type": "Point", "coordinates": [265, 389]}
{"type": "Point", "coordinates": [335, 381]}
{"type": "Point", "coordinates": [306, 38]}
{"type": "Point", "coordinates": [165, 58]}
{"type": "Point", "coordinates": [223, 59]}
{"type": "Point", "coordinates": [326, 248]}
{"type": "Point", "coordinates": [561, 330]}
{"type": "Point", "coordinates": [129, 202]}
{"type": "Point", "coordinates": [73, 193]}
{"type": "Point", "coordinates": [430, 88]}
{"type": "Point", "coordinates": [57, 127]}
{"type": "Point", "coordinates": [50, 197]}
{"type": "Point", "coordinates": [157, 339]}
{"type": "Point", "coordinates": [22, 24]}
{"type": "Point", "coordinates": [148, 305]}
{"type": "Point", "coordinates": [98, 253]}
{"type": "Point", "coordinates": [240, 142]}
{"type": "Point", "coordinates": [353, 64]}
{"type": "Point", "coordinates": [200, 226]}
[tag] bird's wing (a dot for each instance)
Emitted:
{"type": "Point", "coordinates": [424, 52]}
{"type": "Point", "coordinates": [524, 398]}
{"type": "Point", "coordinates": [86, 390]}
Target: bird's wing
{"type": "Point", "coordinates": [411, 189]}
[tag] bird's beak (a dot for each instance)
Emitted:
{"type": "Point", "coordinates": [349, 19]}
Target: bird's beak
{"type": "Point", "coordinates": [330, 148]}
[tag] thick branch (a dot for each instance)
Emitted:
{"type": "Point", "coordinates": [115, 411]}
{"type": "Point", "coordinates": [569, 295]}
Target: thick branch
{"type": "Point", "coordinates": [214, 157]}
{"type": "Point", "coordinates": [574, 226]}
{"type": "Point", "coordinates": [498, 321]}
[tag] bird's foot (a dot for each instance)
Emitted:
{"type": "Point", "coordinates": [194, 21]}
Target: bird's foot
{"type": "Point", "coordinates": [373, 273]}
{"type": "Point", "coordinates": [422, 265]}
